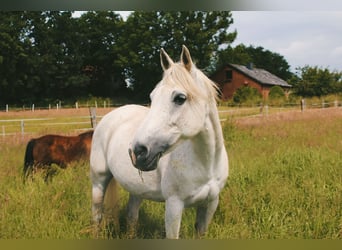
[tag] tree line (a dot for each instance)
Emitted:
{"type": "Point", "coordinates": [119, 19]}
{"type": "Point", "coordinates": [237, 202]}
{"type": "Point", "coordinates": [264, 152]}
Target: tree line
{"type": "Point", "coordinates": [48, 56]}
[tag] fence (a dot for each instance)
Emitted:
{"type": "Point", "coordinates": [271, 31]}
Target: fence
{"type": "Point", "coordinates": [29, 125]}
{"type": "Point", "coordinates": [59, 106]}
{"type": "Point", "coordinates": [26, 126]}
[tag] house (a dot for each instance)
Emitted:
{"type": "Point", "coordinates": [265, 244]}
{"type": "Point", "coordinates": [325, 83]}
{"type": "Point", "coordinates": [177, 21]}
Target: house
{"type": "Point", "coordinates": [232, 76]}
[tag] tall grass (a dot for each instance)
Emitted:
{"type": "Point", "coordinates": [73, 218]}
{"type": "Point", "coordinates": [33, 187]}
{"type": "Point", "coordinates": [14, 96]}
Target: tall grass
{"type": "Point", "coordinates": [285, 183]}
{"type": "Point", "coordinates": [286, 179]}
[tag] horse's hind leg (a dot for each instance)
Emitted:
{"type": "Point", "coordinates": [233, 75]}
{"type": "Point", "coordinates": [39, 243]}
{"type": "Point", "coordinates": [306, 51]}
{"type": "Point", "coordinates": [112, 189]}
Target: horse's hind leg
{"type": "Point", "coordinates": [204, 215]}
{"type": "Point", "coordinates": [133, 206]}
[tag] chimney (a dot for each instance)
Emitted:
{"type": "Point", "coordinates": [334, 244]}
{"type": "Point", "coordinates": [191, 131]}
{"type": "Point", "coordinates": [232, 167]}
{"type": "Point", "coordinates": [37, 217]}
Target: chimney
{"type": "Point", "coordinates": [250, 66]}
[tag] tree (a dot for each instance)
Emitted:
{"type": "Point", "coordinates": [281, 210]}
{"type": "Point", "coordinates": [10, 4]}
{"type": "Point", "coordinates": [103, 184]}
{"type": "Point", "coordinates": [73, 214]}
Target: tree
{"type": "Point", "coordinates": [13, 56]}
{"type": "Point", "coordinates": [55, 62]}
{"type": "Point", "coordinates": [236, 55]}
{"type": "Point", "coordinates": [101, 52]}
{"type": "Point", "coordinates": [315, 81]}
{"type": "Point", "coordinates": [146, 32]}
{"type": "Point", "coordinates": [49, 55]}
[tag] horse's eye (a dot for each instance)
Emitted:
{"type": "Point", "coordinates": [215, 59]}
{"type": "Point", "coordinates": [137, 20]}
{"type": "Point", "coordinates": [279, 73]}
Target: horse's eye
{"type": "Point", "coordinates": [179, 99]}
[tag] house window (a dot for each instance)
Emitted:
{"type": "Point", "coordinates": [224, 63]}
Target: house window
{"type": "Point", "coordinates": [229, 75]}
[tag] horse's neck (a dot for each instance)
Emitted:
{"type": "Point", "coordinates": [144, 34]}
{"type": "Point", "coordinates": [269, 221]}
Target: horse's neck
{"type": "Point", "coordinates": [208, 144]}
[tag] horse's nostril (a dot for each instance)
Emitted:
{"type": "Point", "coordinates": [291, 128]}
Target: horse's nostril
{"type": "Point", "coordinates": [140, 151]}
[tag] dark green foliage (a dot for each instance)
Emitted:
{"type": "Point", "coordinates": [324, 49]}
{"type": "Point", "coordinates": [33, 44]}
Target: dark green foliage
{"type": "Point", "coordinates": [246, 94]}
{"type": "Point", "coordinates": [50, 55]}
{"type": "Point", "coordinates": [276, 92]}
{"type": "Point", "coordinates": [315, 81]}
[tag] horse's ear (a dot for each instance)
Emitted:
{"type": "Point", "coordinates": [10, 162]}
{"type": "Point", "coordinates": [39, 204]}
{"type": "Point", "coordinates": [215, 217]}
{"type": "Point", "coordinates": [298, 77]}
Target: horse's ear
{"type": "Point", "coordinates": [165, 60]}
{"type": "Point", "coordinates": [186, 58]}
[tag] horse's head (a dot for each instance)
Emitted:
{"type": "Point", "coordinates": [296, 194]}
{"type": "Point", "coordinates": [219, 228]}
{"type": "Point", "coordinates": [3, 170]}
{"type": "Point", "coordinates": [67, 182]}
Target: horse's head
{"type": "Point", "coordinates": [179, 108]}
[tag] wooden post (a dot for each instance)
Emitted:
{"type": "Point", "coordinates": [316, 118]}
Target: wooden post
{"type": "Point", "coordinates": [302, 105]}
{"type": "Point", "coordinates": [261, 108]}
{"type": "Point", "coordinates": [6, 108]}
{"type": "Point", "coordinates": [92, 117]}
{"type": "Point", "coordinates": [266, 110]}
{"type": "Point", "coordinates": [22, 125]}
{"type": "Point", "coordinates": [32, 107]}
{"type": "Point", "coordinates": [76, 105]}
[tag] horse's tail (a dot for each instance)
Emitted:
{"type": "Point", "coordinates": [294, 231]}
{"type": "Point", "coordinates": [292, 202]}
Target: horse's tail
{"type": "Point", "coordinates": [28, 160]}
{"type": "Point", "coordinates": [111, 203]}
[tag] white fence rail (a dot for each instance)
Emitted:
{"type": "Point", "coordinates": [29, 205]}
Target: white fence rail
{"type": "Point", "coordinates": [25, 126]}
{"type": "Point", "coordinates": [21, 125]}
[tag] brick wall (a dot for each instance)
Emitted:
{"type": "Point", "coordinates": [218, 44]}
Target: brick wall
{"type": "Point", "coordinates": [228, 87]}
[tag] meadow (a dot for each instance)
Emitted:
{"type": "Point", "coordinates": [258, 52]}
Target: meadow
{"type": "Point", "coordinates": [285, 182]}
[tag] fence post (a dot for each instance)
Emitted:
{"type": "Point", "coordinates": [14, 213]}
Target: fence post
{"type": "Point", "coordinates": [6, 108]}
{"type": "Point", "coordinates": [92, 117]}
{"type": "Point", "coordinates": [76, 105]}
{"type": "Point", "coordinates": [302, 105]}
{"type": "Point", "coordinates": [22, 125]}
{"type": "Point", "coordinates": [266, 110]}
{"type": "Point", "coordinates": [261, 108]}
{"type": "Point", "coordinates": [32, 107]}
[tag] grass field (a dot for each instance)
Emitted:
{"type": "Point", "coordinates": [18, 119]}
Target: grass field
{"type": "Point", "coordinates": [285, 183]}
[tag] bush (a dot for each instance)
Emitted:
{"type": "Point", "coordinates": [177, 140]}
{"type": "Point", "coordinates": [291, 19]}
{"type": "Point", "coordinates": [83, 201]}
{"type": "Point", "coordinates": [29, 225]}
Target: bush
{"type": "Point", "coordinates": [246, 94]}
{"type": "Point", "coordinates": [276, 92]}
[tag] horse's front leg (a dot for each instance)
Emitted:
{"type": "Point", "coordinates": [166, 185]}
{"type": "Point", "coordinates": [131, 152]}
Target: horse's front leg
{"type": "Point", "coordinates": [204, 215]}
{"type": "Point", "coordinates": [173, 217]}
{"type": "Point", "coordinates": [133, 206]}
{"type": "Point", "coordinates": [99, 186]}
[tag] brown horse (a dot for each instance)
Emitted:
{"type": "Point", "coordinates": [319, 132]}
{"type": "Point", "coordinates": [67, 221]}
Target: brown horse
{"type": "Point", "coordinates": [56, 149]}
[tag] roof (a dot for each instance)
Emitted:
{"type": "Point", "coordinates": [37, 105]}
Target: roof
{"type": "Point", "coordinates": [260, 75]}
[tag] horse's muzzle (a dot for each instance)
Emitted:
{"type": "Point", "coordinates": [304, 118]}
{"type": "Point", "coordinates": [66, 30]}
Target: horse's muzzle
{"type": "Point", "coordinates": [142, 159]}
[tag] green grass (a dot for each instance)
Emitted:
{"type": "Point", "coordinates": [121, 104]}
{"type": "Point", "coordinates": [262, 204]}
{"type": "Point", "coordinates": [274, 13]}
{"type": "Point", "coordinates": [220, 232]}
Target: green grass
{"type": "Point", "coordinates": [285, 183]}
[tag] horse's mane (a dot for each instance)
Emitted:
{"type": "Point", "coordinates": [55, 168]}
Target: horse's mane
{"type": "Point", "coordinates": [178, 75]}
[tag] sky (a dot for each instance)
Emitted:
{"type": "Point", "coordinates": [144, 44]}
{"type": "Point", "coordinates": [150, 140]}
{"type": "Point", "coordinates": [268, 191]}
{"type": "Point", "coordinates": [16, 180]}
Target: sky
{"type": "Point", "coordinates": [311, 38]}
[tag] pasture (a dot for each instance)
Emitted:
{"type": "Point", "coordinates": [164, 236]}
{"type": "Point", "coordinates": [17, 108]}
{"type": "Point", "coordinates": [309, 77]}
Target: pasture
{"type": "Point", "coordinates": [285, 181]}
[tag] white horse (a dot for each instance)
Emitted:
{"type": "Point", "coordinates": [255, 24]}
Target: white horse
{"type": "Point", "coordinates": [176, 148]}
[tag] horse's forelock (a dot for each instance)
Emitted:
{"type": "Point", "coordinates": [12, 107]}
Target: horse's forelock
{"type": "Point", "coordinates": [196, 84]}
